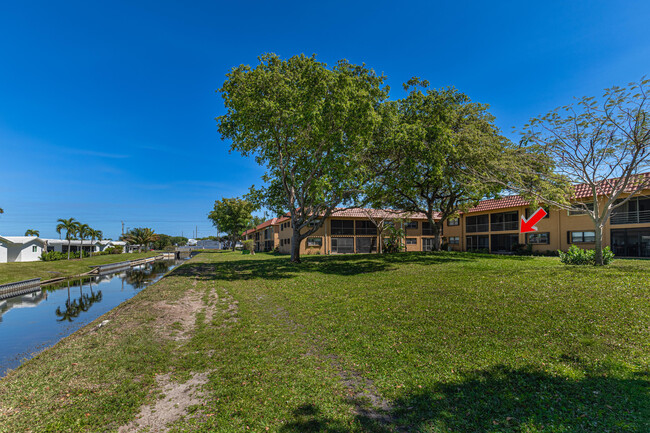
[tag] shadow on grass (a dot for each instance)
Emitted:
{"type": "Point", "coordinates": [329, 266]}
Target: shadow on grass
{"type": "Point", "coordinates": [506, 400]}
{"type": "Point", "coordinates": [279, 267]}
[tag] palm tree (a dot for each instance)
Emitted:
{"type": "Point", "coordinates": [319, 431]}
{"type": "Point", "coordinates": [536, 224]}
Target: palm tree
{"type": "Point", "coordinates": [95, 234]}
{"type": "Point", "coordinates": [70, 227]}
{"type": "Point", "coordinates": [141, 236]}
{"type": "Point", "coordinates": [83, 230]}
{"type": "Point", "coordinates": [31, 232]}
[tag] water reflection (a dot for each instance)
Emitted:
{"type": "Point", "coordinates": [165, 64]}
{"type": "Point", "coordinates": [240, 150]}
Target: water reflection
{"type": "Point", "coordinates": [76, 306]}
{"type": "Point", "coordinates": [34, 321]}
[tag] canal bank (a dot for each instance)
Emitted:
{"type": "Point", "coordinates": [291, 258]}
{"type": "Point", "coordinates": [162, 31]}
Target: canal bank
{"type": "Point", "coordinates": [38, 317]}
{"type": "Point", "coordinates": [12, 272]}
{"type": "Point", "coordinates": [98, 378]}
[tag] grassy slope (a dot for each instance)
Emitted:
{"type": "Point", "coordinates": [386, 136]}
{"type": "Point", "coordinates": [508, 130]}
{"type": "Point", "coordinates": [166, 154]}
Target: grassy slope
{"type": "Point", "coordinates": [11, 272]}
{"type": "Point", "coordinates": [455, 342]}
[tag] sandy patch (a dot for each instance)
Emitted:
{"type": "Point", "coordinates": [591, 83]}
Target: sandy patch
{"type": "Point", "coordinates": [177, 398]}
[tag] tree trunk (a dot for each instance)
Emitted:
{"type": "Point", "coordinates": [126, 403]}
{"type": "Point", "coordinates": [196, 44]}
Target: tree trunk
{"type": "Point", "coordinates": [232, 239]}
{"type": "Point", "coordinates": [599, 244]}
{"type": "Point", "coordinates": [68, 249]}
{"type": "Point", "coordinates": [295, 246]}
{"type": "Point", "coordinates": [81, 250]}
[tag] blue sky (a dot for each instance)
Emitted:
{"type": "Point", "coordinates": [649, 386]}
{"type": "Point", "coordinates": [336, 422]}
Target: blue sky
{"type": "Point", "coordinates": [107, 109]}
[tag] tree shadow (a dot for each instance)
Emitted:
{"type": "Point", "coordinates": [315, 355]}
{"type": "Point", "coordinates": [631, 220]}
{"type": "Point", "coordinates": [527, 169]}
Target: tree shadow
{"type": "Point", "coordinates": [276, 268]}
{"type": "Point", "coordinates": [502, 399]}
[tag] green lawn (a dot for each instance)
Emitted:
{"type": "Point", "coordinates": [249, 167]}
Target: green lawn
{"type": "Point", "coordinates": [408, 342]}
{"type": "Point", "coordinates": [12, 272]}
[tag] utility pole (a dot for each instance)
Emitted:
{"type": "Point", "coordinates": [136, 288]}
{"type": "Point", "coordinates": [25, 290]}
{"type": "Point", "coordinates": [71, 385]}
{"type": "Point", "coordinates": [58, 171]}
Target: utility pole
{"type": "Point", "coordinates": [122, 228]}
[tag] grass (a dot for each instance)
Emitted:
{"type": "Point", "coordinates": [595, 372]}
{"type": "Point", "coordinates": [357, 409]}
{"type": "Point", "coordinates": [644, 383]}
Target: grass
{"type": "Point", "coordinates": [12, 272]}
{"type": "Point", "coordinates": [408, 342]}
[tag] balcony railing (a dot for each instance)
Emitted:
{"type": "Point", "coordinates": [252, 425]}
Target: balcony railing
{"type": "Point", "coordinates": [503, 226]}
{"type": "Point", "coordinates": [473, 228]}
{"type": "Point", "coordinates": [636, 217]}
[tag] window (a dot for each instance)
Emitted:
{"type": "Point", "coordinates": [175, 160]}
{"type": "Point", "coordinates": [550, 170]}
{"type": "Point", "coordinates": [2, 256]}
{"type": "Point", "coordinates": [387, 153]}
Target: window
{"type": "Point", "coordinates": [411, 241]}
{"type": "Point", "coordinates": [581, 211]}
{"type": "Point", "coordinates": [453, 240]}
{"type": "Point", "coordinates": [453, 222]}
{"type": "Point", "coordinates": [477, 242]}
{"type": "Point", "coordinates": [479, 223]}
{"type": "Point", "coordinates": [314, 242]}
{"type": "Point", "coordinates": [504, 221]}
{"type": "Point", "coordinates": [314, 223]}
{"type": "Point", "coordinates": [34, 249]}
{"type": "Point", "coordinates": [366, 228]}
{"type": "Point", "coordinates": [366, 245]}
{"type": "Point", "coordinates": [530, 211]}
{"type": "Point", "coordinates": [537, 238]}
{"type": "Point", "coordinates": [426, 228]}
{"type": "Point", "coordinates": [342, 245]}
{"type": "Point", "coordinates": [427, 243]}
{"type": "Point", "coordinates": [634, 211]}
{"type": "Point", "coordinates": [577, 237]}
{"type": "Point", "coordinates": [411, 225]}
{"type": "Point", "coordinates": [342, 227]}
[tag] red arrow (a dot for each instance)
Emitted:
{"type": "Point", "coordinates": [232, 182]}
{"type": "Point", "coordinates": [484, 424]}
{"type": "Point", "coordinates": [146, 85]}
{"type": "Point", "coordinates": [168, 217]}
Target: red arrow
{"type": "Point", "coordinates": [528, 225]}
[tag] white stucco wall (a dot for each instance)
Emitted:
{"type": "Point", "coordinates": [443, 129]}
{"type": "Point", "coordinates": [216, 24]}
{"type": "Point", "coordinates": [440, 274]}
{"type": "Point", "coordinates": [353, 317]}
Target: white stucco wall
{"type": "Point", "coordinates": [27, 253]}
{"type": "Point", "coordinates": [3, 253]}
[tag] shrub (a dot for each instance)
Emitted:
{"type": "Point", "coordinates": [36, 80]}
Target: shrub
{"type": "Point", "coordinates": [522, 249]}
{"type": "Point", "coordinates": [578, 256]}
{"type": "Point", "coordinates": [248, 246]}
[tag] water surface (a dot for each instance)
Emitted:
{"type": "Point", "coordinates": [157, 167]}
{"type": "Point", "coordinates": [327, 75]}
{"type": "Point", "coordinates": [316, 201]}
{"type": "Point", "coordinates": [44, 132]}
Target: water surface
{"type": "Point", "coordinates": [36, 321]}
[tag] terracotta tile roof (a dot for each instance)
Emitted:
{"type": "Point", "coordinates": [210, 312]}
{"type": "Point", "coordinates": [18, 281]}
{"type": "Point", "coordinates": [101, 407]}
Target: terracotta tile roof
{"type": "Point", "coordinates": [581, 191]}
{"type": "Point", "coordinates": [379, 213]}
{"type": "Point", "coordinates": [499, 203]}
{"type": "Point", "coordinates": [249, 231]}
{"type": "Point", "coordinates": [267, 223]}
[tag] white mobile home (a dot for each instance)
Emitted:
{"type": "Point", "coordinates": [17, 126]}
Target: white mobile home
{"type": "Point", "coordinates": [20, 249]}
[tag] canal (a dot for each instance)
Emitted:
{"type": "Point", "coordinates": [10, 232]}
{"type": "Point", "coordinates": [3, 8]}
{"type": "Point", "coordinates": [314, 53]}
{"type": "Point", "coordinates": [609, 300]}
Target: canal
{"type": "Point", "coordinates": [38, 320]}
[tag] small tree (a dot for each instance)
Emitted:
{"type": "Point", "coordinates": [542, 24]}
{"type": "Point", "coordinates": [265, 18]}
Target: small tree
{"type": "Point", "coordinates": [306, 124]}
{"type": "Point", "coordinates": [603, 146]}
{"type": "Point", "coordinates": [232, 216]}
{"type": "Point", "coordinates": [141, 236]}
{"type": "Point", "coordinates": [83, 230]}
{"type": "Point", "coordinates": [31, 232]}
{"type": "Point", "coordinates": [70, 227]}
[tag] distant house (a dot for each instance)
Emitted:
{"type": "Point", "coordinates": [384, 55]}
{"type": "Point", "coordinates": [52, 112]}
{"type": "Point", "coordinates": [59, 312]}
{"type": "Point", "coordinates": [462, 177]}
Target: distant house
{"type": "Point", "coordinates": [61, 245]}
{"type": "Point", "coordinates": [208, 244]}
{"type": "Point", "coordinates": [20, 248]}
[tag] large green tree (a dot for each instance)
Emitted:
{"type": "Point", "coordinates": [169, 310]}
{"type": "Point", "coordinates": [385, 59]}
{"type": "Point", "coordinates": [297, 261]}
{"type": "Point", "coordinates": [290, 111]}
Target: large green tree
{"type": "Point", "coordinates": [70, 226]}
{"type": "Point", "coordinates": [603, 145]}
{"type": "Point", "coordinates": [232, 216]}
{"type": "Point", "coordinates": [306, 124]}
{"type": "Point", "coordinates": [422, 151]}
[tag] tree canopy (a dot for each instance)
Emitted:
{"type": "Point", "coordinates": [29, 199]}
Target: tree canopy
{"type": "Point", "coordinates": [307, 125]}
{"type": "Point", "coordinates": [423, 149]}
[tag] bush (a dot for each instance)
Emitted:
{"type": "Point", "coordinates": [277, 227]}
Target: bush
{"type": "Point", "coordinates": [522, 249]}
{"type": "Point", "coordinates": [578, 256]}
{"type": "Point", "coordinates": [55, 255]}
{"type": "Point", "coordinates": [248, 246]}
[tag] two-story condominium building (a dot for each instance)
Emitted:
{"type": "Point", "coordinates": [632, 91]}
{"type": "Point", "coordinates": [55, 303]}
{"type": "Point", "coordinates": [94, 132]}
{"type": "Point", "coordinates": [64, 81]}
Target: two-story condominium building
{"type": "Point", "coordinates": [493, 225]}
{"type": "Point", "coordinates": [355, 231]}
{"type": "Point", "coordinates": [264, 236]}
